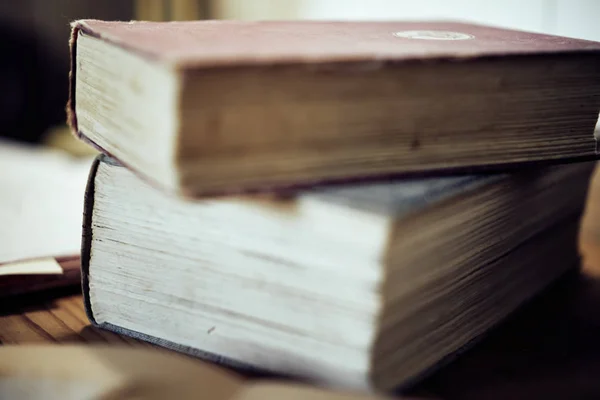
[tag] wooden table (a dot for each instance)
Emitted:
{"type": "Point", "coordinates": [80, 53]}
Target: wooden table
{"type": "Point", "coordinates": [52, 317]}
{"type": "Point", "coordinates": [550, 349]}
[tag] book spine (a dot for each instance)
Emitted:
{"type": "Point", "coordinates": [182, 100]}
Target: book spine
{"type": "Point", "coordinates": [76, 27]}
{"type": "Point", "coordinates": [71, 116]}
{"type": "Point", "coordinates": [86, 237]}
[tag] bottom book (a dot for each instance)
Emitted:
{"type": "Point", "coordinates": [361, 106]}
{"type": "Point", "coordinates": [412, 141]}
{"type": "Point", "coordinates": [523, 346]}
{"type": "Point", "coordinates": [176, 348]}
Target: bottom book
{"type": "Point", "coordinates": [361, 287]}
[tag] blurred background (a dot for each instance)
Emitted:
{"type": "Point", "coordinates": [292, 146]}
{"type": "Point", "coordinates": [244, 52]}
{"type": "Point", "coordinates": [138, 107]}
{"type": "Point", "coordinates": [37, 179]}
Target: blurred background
{"type": "Point", "coordinates": [35, 58]}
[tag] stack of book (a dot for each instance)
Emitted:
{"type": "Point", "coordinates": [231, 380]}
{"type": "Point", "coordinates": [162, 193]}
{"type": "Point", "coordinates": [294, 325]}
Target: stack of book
{"type": "Point", "coordinates": [350, 203]}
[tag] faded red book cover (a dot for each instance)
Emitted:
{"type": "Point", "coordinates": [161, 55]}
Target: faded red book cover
{"type": "Point", "coordinates": [341, 51]}
{"type": "Point", "coordinates": [238, 43]}
{"type": "Point", "coordinates": [235, 43]}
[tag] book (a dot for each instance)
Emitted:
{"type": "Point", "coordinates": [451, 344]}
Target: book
{"type": "Point", "coordinates": [358, 286]}
{"type": "Point", "coordinates": [28, 276]}
{"type": "Point", "coordinates": [205, 108]}
{"type": "Point", "coordinates": [118, 372]}
{"type": "Point", "coordinates": [40, 217]}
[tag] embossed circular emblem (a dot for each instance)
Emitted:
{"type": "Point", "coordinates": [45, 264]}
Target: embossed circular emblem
{"type": "Point", "coordinates": [434, 35]}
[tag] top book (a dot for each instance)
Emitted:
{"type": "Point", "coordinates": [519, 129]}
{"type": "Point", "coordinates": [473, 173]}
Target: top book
{"type": "Point", "coordinates": [221, 107]}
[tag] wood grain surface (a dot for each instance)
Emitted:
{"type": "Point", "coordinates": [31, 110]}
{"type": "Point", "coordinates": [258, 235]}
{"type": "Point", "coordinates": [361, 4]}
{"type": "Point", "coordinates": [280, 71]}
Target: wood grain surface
{"type": "Point", "coordinates": [52, 317]}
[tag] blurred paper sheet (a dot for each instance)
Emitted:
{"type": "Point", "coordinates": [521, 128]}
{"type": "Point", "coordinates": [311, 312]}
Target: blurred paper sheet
{"type": "Point", "coordinates": [41, 202]}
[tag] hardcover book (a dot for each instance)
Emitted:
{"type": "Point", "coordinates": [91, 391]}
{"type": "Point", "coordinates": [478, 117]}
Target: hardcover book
{"type": "Point", "coordinates": [361, 287]}
{"type": "Point", "coordinates": [214, 107]}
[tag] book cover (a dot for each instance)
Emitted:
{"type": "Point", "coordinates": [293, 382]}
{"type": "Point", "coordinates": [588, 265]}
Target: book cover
{"type": "Point", "coordinates": [215, 124]}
